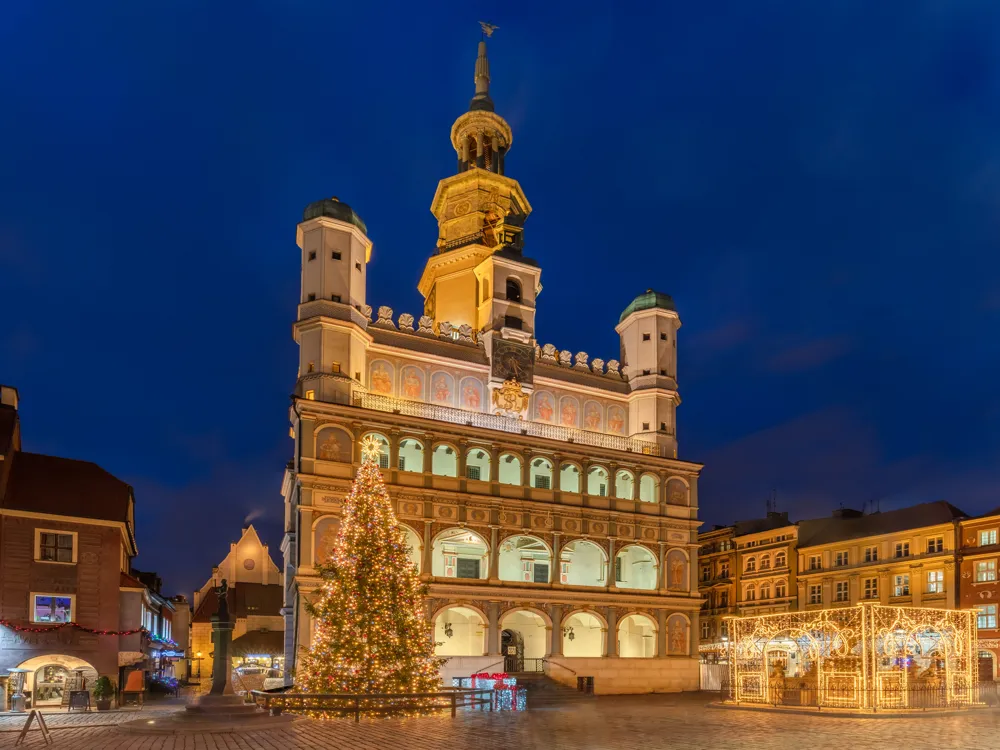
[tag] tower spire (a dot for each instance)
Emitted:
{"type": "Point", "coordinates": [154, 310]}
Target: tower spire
{"type": "Point", "coordinates": [482, 101]}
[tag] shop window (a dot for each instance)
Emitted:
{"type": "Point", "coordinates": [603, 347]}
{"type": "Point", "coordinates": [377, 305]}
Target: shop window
{"type": "Point", "coordinates": [51, 608]}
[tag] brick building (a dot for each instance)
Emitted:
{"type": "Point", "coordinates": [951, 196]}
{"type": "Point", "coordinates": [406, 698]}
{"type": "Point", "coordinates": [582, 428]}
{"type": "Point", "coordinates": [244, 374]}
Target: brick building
{"type": "Point", "coordinates": [979, 556]}
{"type": "Point", "coordinates": [67, 539]}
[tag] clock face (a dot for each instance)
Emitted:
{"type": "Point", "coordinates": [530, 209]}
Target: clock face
{"type": "Point", "coordinates": [513, 361]}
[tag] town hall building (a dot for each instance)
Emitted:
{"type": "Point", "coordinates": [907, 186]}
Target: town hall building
{"type": "Point", "coordinates": [539, 489]}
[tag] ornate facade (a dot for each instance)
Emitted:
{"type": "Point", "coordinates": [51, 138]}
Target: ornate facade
{"type": "Point", "coordinates": [540, 489]}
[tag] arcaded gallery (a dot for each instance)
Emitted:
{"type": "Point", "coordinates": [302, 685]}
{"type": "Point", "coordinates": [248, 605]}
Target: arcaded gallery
{"type": "Point", "coordinates": [868, 656]}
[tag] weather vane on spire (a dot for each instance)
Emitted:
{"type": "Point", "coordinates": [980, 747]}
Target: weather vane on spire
{"type": "Point", "coordinates": [488, 28]}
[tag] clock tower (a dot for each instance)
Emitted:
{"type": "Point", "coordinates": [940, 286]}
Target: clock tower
{"type": "Point", "coordinates": [478, 274]}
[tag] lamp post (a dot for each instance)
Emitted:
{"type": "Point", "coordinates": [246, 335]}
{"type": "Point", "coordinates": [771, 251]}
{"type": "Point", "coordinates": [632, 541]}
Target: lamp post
{"type": "Point", "coordinates": [198, 659]}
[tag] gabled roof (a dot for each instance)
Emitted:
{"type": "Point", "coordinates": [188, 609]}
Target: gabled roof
{"type": "Point", "coordinates": [244, 599]}
{"type": "Point", "coordinates": [126, 581]}
{"type": "Point", "coordinates": [66, 487]}
{"type": "Point", "coordinates": [827, 530]}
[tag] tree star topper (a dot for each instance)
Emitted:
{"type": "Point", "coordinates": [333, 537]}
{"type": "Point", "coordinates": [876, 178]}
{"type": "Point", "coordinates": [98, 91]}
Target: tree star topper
{"type": "Point", "coordinates": [371, 448]}
{"type": "Point", "coordinates": [488, 28]}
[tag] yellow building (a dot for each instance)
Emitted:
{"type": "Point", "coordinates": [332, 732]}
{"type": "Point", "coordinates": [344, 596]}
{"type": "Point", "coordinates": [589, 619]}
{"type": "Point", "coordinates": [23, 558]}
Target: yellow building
{"type": "Point", "coordinates": [717, 584]}
{"type": "Point", "coordinates": [540, 490]}
{"type": "Point", "coordinates": [903, 557]}
{"type": "Point", "coordinates": [255, 598]}
{"type": "Point", "coordinates": [765, 565]}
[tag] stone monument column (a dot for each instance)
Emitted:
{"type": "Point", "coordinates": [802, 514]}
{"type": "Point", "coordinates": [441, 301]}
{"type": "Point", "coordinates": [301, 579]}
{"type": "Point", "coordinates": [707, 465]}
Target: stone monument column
{"type": "Point", "coordinates": [222, 639]}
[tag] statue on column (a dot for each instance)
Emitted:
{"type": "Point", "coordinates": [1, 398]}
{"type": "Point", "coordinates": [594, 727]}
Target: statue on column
{"type": "Point", "coordinates": [222, 638]}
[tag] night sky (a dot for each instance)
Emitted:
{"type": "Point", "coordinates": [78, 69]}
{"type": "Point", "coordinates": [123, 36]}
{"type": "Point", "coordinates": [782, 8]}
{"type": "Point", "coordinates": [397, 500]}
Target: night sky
{"type": "Point", "coordinates": [816, 184]}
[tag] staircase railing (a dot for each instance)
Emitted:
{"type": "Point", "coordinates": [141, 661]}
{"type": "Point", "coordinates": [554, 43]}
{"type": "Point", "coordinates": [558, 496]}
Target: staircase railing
{"type": "Point", "coordinates": [557, 664]}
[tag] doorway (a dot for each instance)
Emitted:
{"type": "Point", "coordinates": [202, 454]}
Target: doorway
{"type": "Point", "coordinates": [51, 683]}
{"type": "Point", "coordinates": [512, 648]}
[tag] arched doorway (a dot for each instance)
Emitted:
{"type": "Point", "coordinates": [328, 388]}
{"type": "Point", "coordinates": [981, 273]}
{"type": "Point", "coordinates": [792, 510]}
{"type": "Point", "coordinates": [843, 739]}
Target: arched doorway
{"type": "Point", "coordinates": [459, 631]}
{"type": "Point", "coordinates": [512, 648]}
{"type": "Point", "coordinates": [51, 677]}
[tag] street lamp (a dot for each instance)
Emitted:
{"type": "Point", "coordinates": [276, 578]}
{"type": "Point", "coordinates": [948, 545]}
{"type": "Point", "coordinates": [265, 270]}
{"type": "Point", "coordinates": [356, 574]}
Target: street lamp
{"type": "Point", "coordinates": [198, 659]}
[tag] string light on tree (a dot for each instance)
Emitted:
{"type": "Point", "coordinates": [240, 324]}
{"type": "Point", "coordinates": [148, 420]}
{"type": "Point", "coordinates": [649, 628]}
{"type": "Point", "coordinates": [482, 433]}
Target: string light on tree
{"type": "Point", "coordinates": [371, 634]}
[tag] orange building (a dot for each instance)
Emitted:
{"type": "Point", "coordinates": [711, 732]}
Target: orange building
{"type": "Point", "coordinates": [979, 556]}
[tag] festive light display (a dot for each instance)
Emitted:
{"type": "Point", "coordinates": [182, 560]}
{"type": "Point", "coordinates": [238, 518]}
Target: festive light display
{"type": "Point", "coordinates": [868, 656]}
{"type": "Point", "coordinates": [94, 631]}
{"type": "Point", "coordinates": [371, 635]}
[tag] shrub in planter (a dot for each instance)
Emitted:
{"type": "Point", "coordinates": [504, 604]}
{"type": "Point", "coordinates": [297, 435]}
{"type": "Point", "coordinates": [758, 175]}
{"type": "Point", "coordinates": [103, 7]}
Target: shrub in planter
{"type": "Point", "coordinates": [104, 691]}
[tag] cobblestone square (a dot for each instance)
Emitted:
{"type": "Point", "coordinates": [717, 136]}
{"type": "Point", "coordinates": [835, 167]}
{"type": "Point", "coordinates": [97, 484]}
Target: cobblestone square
{"type": "Point", "coordinates": [679, 722]}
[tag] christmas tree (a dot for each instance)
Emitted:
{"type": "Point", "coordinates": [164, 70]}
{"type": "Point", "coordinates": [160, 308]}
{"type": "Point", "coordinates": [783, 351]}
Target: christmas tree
{"type": "Point", "coordinates": [371, 635]}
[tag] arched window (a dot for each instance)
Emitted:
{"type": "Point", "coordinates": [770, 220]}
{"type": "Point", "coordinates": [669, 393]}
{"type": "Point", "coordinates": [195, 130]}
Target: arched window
{"type": "Point", "coordinates": [750, 565]}
{"type": "Point", "coordinates": [779, 589]}
{"type": "Point", "coordinates": [415, 545]}
{"type": "Point", "coordinates": [649, 489]}
{"type": "Point", "coordinates": [779, 560]}
{"type": "Point", "coordinates": [460, 553]}
{"type": "Point", "coordinates": [411, 455]}
{"type": "Point", "coordinates": [636, 637]}
{"type": "Point", "coordinates": [583, 635]}
{"type": "Point", "coordinates": [765, 591]}
{"type": "Point", "coordinates": [765, 562]}
{"type": "Point", "coordinates": [541, 473]}
{"type": "Point", "coordinates": [477, 464]}
{"type": "Point", "coordinates": [459, 631]}
{"type": "Point", "coordinates": [526, 559]}
{"type": "Point", "coordinates": [625, 485]}
{"type": "Point", "coordinates": [597, 481]}
{"type": "Point", "coordinates": [751, 593]}
{"type": "Point", "coordinates": [510, 469]}
{"type": "Point", "coordinates": [583, 563]}
{"type": "Point", "coordinates": [635, 568]}
{"type": "Point", "coordinates": [383, 459]}
{"type": "Point", "coordinates": [513, 289]}
{"type": "Point", "coordinates": [444, 461]}
{"type": "Point", "coordinates": [569, 478]}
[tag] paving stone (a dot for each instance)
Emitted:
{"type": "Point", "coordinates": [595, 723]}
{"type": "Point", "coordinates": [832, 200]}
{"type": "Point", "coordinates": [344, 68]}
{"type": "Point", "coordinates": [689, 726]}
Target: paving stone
{"type": "Point", "coordinates": [649, 722]}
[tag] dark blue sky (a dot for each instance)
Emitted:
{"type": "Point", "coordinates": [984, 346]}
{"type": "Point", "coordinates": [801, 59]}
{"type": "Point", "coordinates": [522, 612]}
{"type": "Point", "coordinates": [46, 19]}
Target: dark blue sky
{"type": "Point", "coordinates": [816, 184]}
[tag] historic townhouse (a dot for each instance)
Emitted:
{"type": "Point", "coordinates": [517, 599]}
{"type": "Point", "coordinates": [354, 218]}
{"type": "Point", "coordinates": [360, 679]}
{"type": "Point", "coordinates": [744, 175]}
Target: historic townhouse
{"type": "Point", "coordinates": [717, 584]}
{"type": "Point", "coordinates": [979, 556]}
{"type": "Point", "coordinates": [902, 557]}
{"type": "Point", "coordinates": [540, 489]}
{"type": "Point", "coordinates": [765, 565]}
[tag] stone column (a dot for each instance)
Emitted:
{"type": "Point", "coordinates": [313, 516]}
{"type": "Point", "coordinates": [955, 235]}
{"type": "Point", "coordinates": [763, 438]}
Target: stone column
{"type": "Point", "coordinates": [555, 614]}
{"type": "Point", "coordinates": [526, 474]}
{"type": "Point", "coordinates": [555, 576]}
{"type": "Point", "coordinates": [493, 636]}
{"type": "Point", "coordinates": [495, 154]}
{"type": "Point", "coordinates": [612, 566]}
{"type": "Point", "coordinates": [463, 451]}
{"type": "Point", "coordinates": [393, 454]}
{"type": "Point", "coordinates": [494, 555]}
{"type": "Point", "coordinates": [613, 482]}
{"type": "Point", "coordinates": [222, 664]}
{"type": "Point", "coordinates": [480, 156]}
{"type": "Point", "coordinates": [428, 460]}
{"type": "Point", "coordinates": [556, 474]}
{"type": "Point", "coordinates": [612, 615]}
{"type": "Point", "coordinates": [427, 566]}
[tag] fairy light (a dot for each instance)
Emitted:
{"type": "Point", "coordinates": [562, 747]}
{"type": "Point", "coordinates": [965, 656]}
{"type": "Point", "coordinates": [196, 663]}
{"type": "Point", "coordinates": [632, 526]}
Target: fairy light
{"type": "Point", "coordinates": [371, 635]}
{"type": "Point", "coordinates": [864, 656]}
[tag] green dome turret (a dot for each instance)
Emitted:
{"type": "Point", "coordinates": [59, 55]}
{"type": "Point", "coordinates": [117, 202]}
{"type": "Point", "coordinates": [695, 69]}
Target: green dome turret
{"type": "Point", "coordinates": [333, 208]}
{"type": "Point", "coordinates": [649, 300]}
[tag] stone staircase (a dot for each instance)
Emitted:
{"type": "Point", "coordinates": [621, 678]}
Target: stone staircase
{"type": "Point", "coordinates": [543, 692]}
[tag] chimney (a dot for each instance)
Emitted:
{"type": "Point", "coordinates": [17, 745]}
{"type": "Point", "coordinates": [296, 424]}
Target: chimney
{"type": "Point", "coordinates": [8, 396]}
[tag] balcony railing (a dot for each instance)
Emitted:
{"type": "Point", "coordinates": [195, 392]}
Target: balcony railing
{"type": "Point", "coordinates": [392, 405]}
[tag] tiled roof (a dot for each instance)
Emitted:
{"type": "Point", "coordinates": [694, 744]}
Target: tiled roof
{"type": "Point", "coordinates": [244, 599]}
{"type": "Point", "coordinates": [65, 487]}
{"type": "Point", "coordinates": [756, 525]}
{"type": "Point", "coordinates": [826, 530]}
{"type": "Point", "coordinates": [126, 581]}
